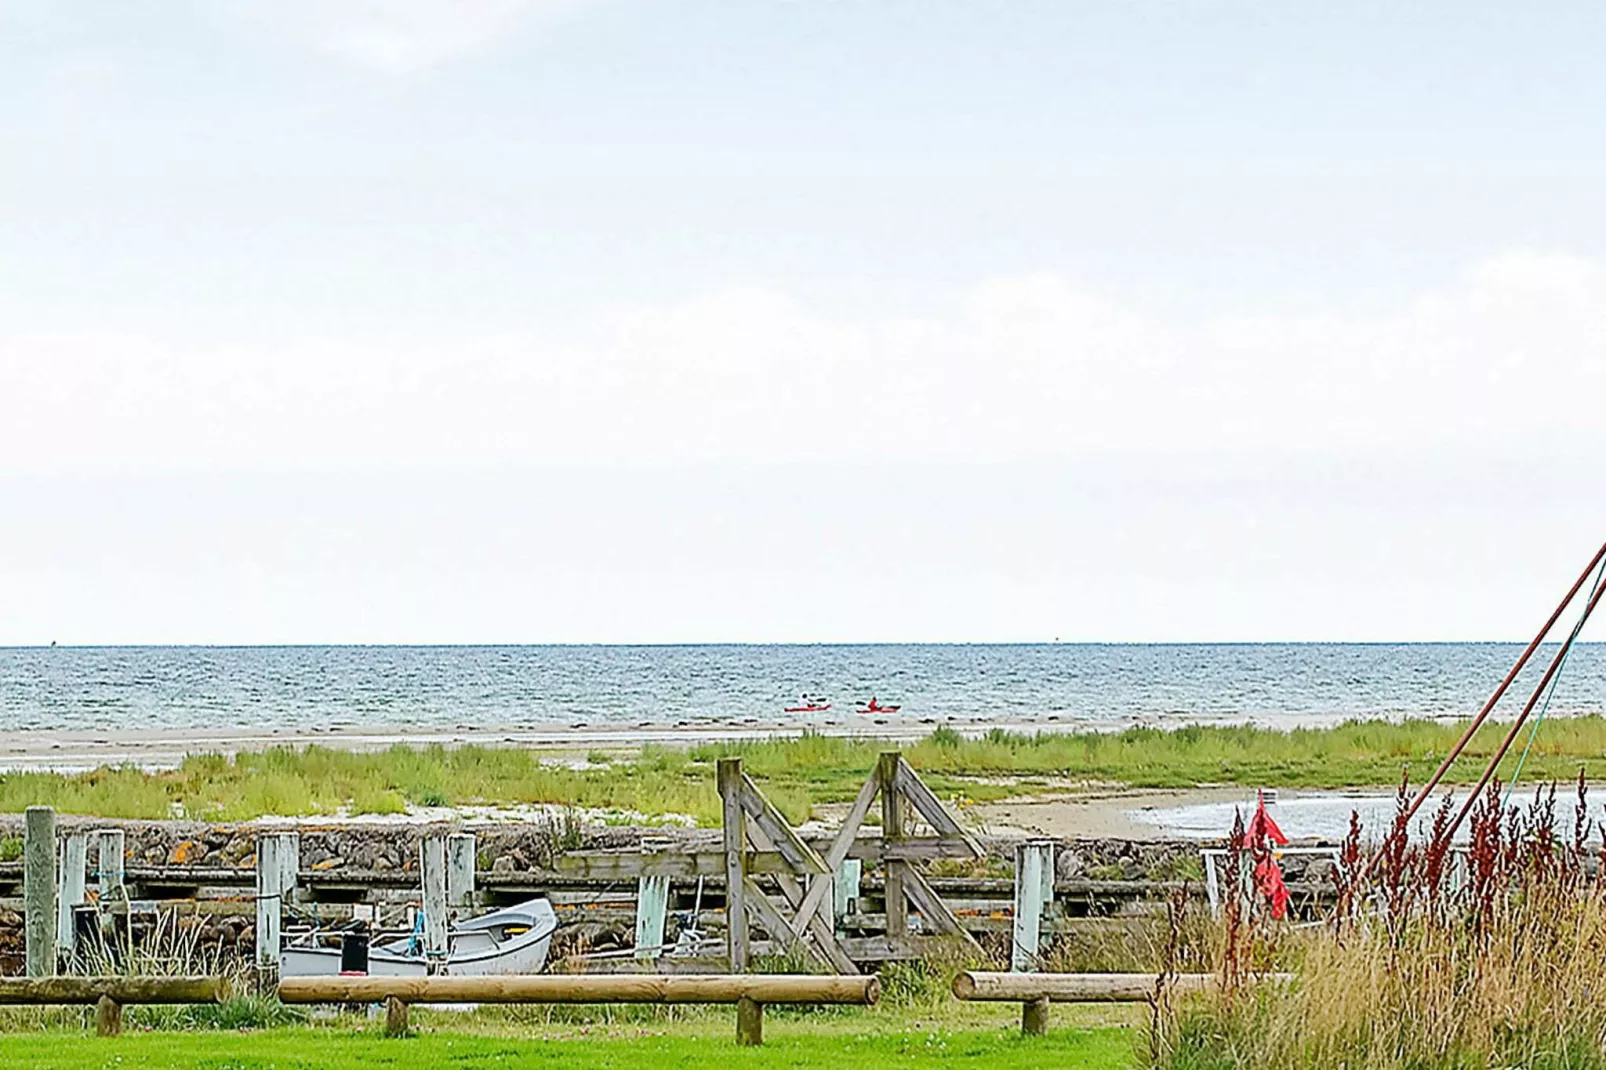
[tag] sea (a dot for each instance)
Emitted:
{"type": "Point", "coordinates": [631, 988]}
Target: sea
{"type": "Point", "coordinates": [404, 689]}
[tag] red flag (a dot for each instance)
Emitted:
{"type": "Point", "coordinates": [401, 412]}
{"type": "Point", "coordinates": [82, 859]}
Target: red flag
{"type": "Point", "coordinates": [1268, 875]}
{"type": "Point", "coordinates": [1262, 827]}
{"type": "Point", "coordinates": [1269, 880]}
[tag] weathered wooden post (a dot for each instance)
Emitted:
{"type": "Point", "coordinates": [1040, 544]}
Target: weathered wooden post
{"type": "Point", "coordinates": [278, 866]}
{"type": "Point", "coordinates": [749, 1022]}
{"type": "Point", "coordinates": [74, 864]}
{"type": "Point", "coordinates": [891, 837]}
{"type": "Point", "coordinates": [108, 1017]}
{"type": "Point", "coordinates": [729, 779]}
{"type": "Point", "coordinates": [109, 855]}
{"type": "Point", "coordinates": [39, 890]}
{"type": "Point", "coordinates": [1034, 890]}
{"type": "Point", "coordinates": [460, 869]}
{"type": "Point", "coordinates": [1034, 1017]}
{"type": "Point", "coordinates": [395, 1017]}
{"type": "Point", "coordinates": [432, 868]}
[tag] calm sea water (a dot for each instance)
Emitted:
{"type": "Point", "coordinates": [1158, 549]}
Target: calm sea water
{"type": "Point", "coordinates": [135, 689]}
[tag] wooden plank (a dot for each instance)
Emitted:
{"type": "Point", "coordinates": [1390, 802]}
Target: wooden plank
{"type": "Point", "coordinates": [930, 807]}
{"type": "Point", "coordinates": [823, 935]}
{"type": "Point", "coordinates": [609, 866]}
{"type": "Point", "coordinates": [892, 833]}
{"type": "Point", "coordinates": [934, 910]}
{"type": "Point", "coordinates": [798, 854]}
{"type": "Point", "coordinates": [652, 910]}
{"type": "Point", "coordinates": [109, 859]}
{"type": "Point", "coordinates": [1028, 908]}
{"type": "Point", "coordinates": [845, 888]}
{"type": "Point", "coordinates": [460, 869]}
{"type": "Point", "coordinates": [74, 864]}
{"type": "Point", "coordinates": [586, 988]}
{"type": "Point", "coordinates": [819, 930]}
{"type": "Point", "coordinates": [910, 849]}
{"type": "Point", "coordinates": [840, 847]}
{"type": "Point", "coordinates": [729, 778]}
{"type": "Point", "coordinates": [775, 922]}
{"type": "Point", "coordinates": [904, 949]}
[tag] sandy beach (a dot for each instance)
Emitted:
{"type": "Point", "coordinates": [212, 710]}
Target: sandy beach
{"type": "Point", "coordinates": [79, 751]}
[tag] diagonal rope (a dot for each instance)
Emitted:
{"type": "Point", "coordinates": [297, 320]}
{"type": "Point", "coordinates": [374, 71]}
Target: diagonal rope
{"type": "Point", "coordinates": [1550, 693]}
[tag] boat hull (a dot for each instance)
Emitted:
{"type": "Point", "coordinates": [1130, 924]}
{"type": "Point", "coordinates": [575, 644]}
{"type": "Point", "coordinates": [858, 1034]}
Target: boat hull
{"type": "Point", "coordinates": [510, 941]}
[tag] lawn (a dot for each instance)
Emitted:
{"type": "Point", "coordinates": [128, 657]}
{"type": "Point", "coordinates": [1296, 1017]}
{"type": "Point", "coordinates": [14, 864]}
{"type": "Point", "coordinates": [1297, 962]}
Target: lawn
{"type": "Point", "coordinates": [793, 1046]}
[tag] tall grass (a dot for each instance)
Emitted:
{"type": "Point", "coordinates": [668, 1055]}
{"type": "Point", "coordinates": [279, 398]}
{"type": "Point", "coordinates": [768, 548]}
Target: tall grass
{"type": "Point", "coordinates": [1432, 963]}
{"type": "Point", "coordinates": [797, 771]}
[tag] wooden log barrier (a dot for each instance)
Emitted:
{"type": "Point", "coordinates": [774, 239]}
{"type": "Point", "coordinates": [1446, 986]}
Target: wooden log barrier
{"type": "Point", "coordinates": [1070, 987]}
{"type": "Point", "coordinates": [750, 992]}
{"type": "Point", "coordinates": [1035, 991]}
{"type": "Point", "coordinates": [109, 994]}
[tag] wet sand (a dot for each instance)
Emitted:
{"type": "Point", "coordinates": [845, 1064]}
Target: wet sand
{"type": "Point", "coordinates": [79, 751]}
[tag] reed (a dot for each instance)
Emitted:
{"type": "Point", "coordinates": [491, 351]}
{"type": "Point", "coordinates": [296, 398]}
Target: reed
{"type": "Point", "coordinates": [1432, 964]}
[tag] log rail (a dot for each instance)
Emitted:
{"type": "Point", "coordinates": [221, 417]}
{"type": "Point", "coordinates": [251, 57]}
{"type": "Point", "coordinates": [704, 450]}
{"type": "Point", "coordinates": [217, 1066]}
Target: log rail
{"type": "Point", "coordinates": [1036, 991]}
{"type": "Point", "coordinates": [109, 994]}
{"type": "Point", "coordinates": [749, 992]}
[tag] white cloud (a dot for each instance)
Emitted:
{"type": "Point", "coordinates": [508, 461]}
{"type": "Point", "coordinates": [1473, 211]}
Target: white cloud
{"type": "Point", "coordinates": [400, 37]}
{"type": "Point", "coordinates": [1023, 367]}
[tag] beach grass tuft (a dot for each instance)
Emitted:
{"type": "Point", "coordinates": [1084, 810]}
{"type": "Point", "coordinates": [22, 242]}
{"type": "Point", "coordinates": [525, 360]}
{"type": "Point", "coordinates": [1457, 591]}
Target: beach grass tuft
{"type": "Point", "coordinates": [797, 771]}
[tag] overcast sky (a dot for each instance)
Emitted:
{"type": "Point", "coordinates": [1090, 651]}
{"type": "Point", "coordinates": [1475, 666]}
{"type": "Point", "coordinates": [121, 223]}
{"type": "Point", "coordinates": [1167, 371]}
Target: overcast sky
{"type": "Point", "coordinates": [616, 320]}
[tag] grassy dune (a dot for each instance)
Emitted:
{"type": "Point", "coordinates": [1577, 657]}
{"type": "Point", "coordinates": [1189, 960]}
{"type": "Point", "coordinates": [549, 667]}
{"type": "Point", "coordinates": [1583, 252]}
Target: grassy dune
{"type": "Point", "coordinates": [797, 771]}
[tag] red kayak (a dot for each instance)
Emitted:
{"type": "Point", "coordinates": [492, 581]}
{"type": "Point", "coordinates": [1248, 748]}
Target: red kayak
{"type": "Point", "coordinates": [875, 707]}
{"type": "Point", "coordinates": [807, 709]}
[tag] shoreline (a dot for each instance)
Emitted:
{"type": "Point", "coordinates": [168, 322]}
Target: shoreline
{"type": "Point", "coordinates": [82, 750]}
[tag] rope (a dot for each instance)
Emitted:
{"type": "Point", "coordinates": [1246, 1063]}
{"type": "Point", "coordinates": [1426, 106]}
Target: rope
{"type": "Point", "coordinates": [1550, 693]}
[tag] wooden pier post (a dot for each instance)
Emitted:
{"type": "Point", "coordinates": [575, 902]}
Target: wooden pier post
{"type": "Point", "coordinates": [109, 856]}
{"type": "Point", "coordinates": [432, 868]}
{"type": "Point", "coordinates": [460, 869]}
{"type": "Point", "coordinates": [278, 866]}
{"type": "Point", "coordinates": [39, 890]}
{"type": "Point", "coordinates": [74, 866]}
{"type": "Point", "coordinates": [891, 834]}
{"type": "Point", "coordinates": [1034, 889]}
{"type": "Point", "coordinates": [729, 779]}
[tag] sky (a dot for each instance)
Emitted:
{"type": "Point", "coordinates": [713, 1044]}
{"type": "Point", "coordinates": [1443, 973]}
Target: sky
{"type": "Point", "coordinates": [681, 321]}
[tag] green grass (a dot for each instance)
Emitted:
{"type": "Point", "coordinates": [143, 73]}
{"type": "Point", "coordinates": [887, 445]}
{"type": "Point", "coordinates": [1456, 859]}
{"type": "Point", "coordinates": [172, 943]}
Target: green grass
{"type": "Point", "coordinates": [787, 1044]}
{"type": "Point", "coordinates": [797, 772]}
